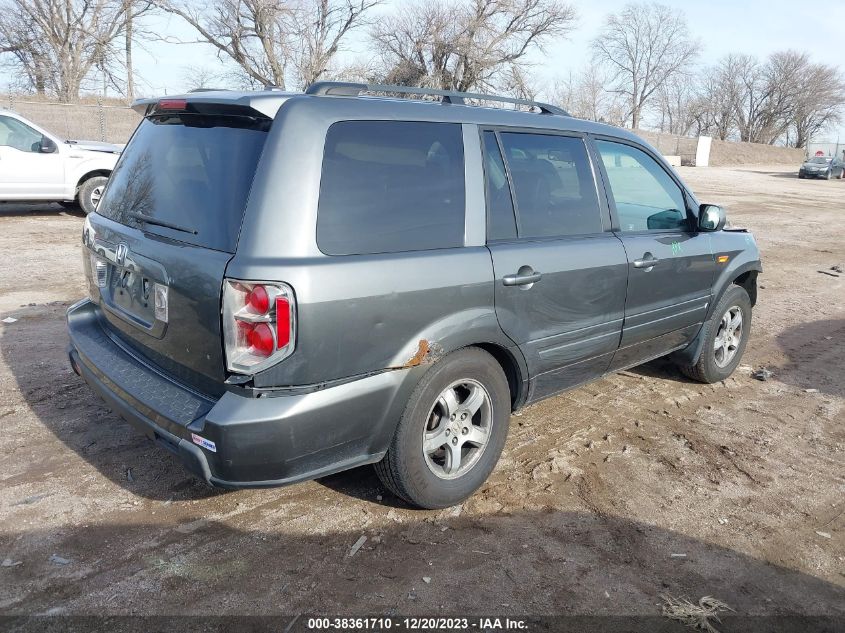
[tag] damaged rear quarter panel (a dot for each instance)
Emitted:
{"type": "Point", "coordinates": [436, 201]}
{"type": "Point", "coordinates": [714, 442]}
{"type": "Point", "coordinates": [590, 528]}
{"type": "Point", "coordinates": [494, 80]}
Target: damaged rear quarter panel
{"type": "Point", "coordinates": [356, 314]}
{"type": "Point", "coordinates": [364, 313]}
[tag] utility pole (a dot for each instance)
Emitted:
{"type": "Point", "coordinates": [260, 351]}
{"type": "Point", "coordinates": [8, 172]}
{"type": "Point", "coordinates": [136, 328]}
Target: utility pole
{"type": "Point", "coordinates": [130, 79]}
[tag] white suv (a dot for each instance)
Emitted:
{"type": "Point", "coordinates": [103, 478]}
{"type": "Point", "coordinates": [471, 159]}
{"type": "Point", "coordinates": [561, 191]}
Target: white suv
{"type": "Point", "coordinates": [36, 165]}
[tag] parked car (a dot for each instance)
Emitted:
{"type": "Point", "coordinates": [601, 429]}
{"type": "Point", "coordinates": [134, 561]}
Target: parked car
{"type": "Point", "coordinates": [38, 166]}
{"type": "Point", "coordinates": [283, 286]}
{"type": "Point", "coordinates": [822, 167]}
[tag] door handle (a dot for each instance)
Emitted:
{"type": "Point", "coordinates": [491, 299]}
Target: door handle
{"type": "Point", "coordinates": [646, 262]}
{"type": "Point", "coordinates": [522, 278]}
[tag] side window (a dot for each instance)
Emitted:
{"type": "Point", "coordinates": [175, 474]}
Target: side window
{"type": "Point", "coordinates": [15, 134]}
{"type": "Point", "coordinates": [391, 186]}
{"type": "Point", "coordinates": [553, 185]}
{"type": "Point", "coordinates": [501, 223]}
{"type": "Point", "coordinates": [647, 199]}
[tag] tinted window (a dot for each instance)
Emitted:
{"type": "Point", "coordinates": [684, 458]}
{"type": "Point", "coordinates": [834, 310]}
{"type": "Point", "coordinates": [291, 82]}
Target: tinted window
{"type": "Point", "coordinates": [15, 134]}
{"type": "Point", "coordinates": [391, 186]}
{"type": "Point", "coordinates": [500, 219]}
{"type": "Point", "coordinates": [193, 171]}
{"type": "Point", "coordinates": [553, 185]}
{"type": "Point", "coordinates": [646, 196]}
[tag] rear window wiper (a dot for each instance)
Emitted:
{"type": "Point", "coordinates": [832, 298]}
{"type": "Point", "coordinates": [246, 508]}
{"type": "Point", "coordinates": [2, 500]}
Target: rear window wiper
{"type": "Point", "coordinates": [168, 225]}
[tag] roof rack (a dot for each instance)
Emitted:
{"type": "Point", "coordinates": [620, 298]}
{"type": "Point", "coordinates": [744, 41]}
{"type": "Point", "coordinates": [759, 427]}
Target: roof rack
{"type": "Point", "coordinates": [348, 89]}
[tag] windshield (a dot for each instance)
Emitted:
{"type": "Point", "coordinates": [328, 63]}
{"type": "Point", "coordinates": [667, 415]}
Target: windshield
{"type": "Point", "coordinates": [821, 160]}
{"type": "Point", "coordinates": [187, 177]}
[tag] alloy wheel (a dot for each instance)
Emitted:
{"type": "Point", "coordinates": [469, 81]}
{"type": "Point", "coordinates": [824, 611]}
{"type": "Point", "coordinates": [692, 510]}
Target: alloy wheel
{"type": "Point", "coordinates": [728, 336]}
{"type": "Point", "coordinates": [457, 429]}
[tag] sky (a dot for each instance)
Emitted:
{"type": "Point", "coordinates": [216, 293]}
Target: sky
{"type": "Point", "coordinates": [758, 27]}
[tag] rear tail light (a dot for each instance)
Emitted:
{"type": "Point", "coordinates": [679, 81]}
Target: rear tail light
{"type": "Point", "coordinates": [259, 324]}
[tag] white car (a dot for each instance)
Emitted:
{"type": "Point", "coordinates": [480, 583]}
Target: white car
{"type": "Point", "coordinates": [36, 165]}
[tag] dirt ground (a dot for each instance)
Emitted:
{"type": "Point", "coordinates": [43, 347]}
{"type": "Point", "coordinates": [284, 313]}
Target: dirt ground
{"type": "Point", "coordinates": [606, 497]}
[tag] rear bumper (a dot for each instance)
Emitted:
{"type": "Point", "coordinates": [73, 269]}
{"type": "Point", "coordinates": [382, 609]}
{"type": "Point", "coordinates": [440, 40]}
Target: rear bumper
{"type": "Point", "coordinates": [240, 440]}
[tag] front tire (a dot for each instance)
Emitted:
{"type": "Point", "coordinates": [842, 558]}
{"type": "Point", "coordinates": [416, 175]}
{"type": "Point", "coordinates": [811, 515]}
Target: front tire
{"type": "Point", "coordinates": [452, 432]}
{"type": "Point", "coordinates": [725, 337]}
{"type": "Point", "coordinates": [90, 193]}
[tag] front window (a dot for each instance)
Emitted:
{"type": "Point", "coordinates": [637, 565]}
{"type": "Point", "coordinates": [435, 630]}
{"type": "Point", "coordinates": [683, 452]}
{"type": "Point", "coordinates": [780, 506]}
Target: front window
{"type": "Point", "coordinates": [646, 197]}
{"type": "Point", "coordinates": [20, 136]}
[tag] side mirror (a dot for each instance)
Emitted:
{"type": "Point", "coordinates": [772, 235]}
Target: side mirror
{"type": "Point", "coordinates": [711, 217]}
{"type": "Point", "coordinates": [48, 146]}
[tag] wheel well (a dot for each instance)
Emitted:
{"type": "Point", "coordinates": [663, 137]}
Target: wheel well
{"type": "Point", "coordinates": [748, 281]}
{"type": "Point", "coordinates": [511, 369]}
{"type": "Point", "coordinates": [91, 174]}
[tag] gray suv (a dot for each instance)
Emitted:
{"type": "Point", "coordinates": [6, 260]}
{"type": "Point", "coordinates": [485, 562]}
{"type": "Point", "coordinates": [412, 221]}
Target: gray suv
{"type": "Point", "coordinates": [283, 286]}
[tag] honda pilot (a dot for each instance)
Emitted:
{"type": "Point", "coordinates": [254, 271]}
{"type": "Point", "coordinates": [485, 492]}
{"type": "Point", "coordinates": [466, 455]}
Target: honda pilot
{"type": "Point", "coordinates": [283, 286]}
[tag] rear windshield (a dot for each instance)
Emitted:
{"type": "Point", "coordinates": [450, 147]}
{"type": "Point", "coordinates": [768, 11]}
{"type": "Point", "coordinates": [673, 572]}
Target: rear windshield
{"type": "Point", "coordinates": [190, 174]}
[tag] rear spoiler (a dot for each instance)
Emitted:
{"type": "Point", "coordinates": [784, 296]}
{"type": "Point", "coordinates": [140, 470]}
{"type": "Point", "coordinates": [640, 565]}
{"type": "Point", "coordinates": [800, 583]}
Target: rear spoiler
{"type": "Point", "coordinates": [265, 103]}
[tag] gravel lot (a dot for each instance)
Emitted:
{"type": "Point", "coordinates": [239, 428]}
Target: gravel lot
{"type": "Point", "coordinates": [606, 497]}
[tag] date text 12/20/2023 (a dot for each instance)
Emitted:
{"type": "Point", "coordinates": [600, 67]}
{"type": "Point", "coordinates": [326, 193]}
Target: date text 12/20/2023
{"type": "Point", "coordinates": [417, 624]}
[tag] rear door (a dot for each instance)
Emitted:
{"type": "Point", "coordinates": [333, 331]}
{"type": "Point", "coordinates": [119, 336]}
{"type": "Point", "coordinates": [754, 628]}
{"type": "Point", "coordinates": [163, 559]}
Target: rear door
{"type": "Point", "coordinates": [671, 266]}
{"type": "Point", "coordinates": [166, 228]}
{"type": "Point", "coordinates": [25, 172]}
{"type": "Point", "coordinates": [560, 271]}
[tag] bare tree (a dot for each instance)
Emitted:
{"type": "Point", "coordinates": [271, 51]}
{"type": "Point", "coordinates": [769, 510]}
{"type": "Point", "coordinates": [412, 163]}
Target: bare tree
{"type": "Point", "coordinates": [767, 94]}
{"type": "Point", "coordinates": [275, 41]}
{"type": "Point", "coordinates": [57, 44]}
{"type": "Point", "coordinates": [320, 29]}
{"type": "Point", "coordinates": [717, 90]}
{"type": "Point", "coordinates": [677, 103]}
{"type": "Point", "coordinates": [819, 104]}
{"type": "Point", "coordinates": [644, 46]}
{"type": "Point", "coordinates": [585, 95]}
{"type": "Point", "coordinates": [471, 45]}
{"type": "Point", "coordinates": [201, 78]}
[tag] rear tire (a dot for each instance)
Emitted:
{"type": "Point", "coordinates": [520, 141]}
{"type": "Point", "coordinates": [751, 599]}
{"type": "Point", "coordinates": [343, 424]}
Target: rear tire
{"type": "Point", "coordinates": [90, 193]}
{"type": "Point", "coordinates": [724, 338]}
{"type": "Point", "coordinates": [452, 432]}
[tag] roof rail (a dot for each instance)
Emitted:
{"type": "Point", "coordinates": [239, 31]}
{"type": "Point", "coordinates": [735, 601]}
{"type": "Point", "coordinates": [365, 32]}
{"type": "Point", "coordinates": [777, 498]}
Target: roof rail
{"type": "Point", "coordinates": [348, 89]}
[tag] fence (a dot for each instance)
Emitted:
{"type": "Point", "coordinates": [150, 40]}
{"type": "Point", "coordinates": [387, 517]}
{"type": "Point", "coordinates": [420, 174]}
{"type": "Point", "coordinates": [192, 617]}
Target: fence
{"type": "Point", "coordinates": [672, 145]}
{"type": "Point", "coordinates": [827, 148]}
{"type": "Point", "coordinates": [95, 121]}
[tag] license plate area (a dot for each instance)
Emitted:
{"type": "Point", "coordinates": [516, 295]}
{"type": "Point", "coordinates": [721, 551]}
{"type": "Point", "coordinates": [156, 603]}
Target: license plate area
{"type": "Point", "coordinates": [134, 294]}
{"type": "Point", "coordinates": [130, 293]}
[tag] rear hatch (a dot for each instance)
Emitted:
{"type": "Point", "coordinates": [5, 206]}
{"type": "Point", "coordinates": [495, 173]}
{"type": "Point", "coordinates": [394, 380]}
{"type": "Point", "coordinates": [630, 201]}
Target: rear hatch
{"type": "Point", "coordinates": [166, 228]}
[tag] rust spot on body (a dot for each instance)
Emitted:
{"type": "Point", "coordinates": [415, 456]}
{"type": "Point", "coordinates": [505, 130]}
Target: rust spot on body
{"type": "Point", "coordinates": [422, 351]}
